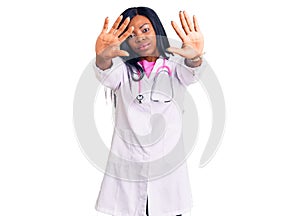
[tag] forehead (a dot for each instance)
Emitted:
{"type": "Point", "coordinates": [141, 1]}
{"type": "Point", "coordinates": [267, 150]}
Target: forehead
{"type": "Point", "coordinates": [138, 21]}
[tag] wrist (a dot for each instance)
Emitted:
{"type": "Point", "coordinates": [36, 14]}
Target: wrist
{"type": "Point", "coordinates": [103, 63]}
{"type": "Point", "coordinates": [195, 61]}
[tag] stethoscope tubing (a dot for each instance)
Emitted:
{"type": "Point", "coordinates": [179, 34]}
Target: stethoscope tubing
{"type": "Point", "coordinates": [140, 97]}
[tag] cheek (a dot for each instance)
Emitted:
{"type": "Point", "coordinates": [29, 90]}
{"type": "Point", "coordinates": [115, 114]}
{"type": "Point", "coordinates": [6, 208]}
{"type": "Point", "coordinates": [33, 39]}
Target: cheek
{"type": "Point", "coordinates": [131, 44]}
{"type": "Point", "coordinates": [153, 39]}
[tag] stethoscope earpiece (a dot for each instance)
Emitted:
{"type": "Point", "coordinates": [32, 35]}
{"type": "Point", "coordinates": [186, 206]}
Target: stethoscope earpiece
{"type": "Point", "coordinates": [137, 76]}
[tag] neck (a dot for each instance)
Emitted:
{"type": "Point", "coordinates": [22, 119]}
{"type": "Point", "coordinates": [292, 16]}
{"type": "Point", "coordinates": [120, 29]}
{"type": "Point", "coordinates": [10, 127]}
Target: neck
{"type": "Point", "coordinates": [150, 58]}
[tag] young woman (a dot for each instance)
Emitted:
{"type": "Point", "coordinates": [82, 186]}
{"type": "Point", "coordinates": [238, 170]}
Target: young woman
{"type": "Point", "coordinates": [146, 171]}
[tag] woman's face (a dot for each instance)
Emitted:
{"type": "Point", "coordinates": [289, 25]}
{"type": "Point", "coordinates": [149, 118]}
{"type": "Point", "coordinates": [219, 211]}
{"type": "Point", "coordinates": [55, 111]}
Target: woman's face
{"type": "Point", "coordinates": [143, 38]}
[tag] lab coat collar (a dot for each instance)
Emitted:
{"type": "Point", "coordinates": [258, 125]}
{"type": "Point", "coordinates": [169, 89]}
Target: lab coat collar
{"type": "Point", "coordinates": [158, 63]}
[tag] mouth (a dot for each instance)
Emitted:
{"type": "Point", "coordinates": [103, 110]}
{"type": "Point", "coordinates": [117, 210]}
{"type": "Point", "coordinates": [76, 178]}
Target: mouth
{"type": "Point", "coordinates": [144, 46]}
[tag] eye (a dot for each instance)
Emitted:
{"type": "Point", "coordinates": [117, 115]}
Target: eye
{"type": "Point", "coordinates": [145, 30]}
{"type": "Point", "coordinates": [131, 36]}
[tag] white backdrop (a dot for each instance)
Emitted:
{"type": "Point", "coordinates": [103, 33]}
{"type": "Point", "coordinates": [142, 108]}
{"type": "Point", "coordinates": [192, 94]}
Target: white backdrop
{"type": "Point", "coordinates": [253, 47]}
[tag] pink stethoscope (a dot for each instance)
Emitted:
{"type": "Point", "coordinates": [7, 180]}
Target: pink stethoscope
{"type": "Point", "coordinates": [164, 68]}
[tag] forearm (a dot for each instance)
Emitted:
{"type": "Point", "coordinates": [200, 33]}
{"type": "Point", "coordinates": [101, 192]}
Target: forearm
{"type": "Point", "coordinates": [188, 74]}
{"type": "Point", "coordinates": [112, 76]}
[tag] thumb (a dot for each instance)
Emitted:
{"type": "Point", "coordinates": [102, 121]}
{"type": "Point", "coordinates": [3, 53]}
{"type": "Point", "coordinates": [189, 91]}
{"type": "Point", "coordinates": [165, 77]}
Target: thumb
{"type": "Point", "coordinates": [120, 53]}
{"type": "Point", "coordinates": [175, 50]}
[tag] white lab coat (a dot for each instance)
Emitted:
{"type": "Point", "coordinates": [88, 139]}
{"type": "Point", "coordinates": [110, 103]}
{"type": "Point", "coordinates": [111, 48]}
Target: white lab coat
{"type": "Point", "coordinates": [125, 187]}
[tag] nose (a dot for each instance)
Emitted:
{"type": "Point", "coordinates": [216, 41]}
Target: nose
{"type": "Point", "coordinates": [139, 38]}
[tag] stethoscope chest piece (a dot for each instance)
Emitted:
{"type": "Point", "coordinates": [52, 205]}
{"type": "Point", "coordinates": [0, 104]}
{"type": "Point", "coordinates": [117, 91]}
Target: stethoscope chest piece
{"type": "Point", "coordinates": [140, 98]}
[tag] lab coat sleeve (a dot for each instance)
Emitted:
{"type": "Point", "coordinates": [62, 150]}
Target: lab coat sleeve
{"type": "Point", "coordinates": [188, 75]}
{"type": "Point", "coordinates": [113, 76]}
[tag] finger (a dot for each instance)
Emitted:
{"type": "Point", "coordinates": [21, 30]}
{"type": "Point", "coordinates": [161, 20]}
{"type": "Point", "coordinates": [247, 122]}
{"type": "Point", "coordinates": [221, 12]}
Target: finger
{"type": "Point", "coordinates": [115, 25]}
{"type": "Point", "coordinates": [123, 26]}
{"type": "Point", "coordinates": [105, 26]}
{"type": "Point", "coordinates": [197, 28]}
{"type": "Point", "coordinates": [124, 36]}
{"type": "Point", "coordinates": [188, 21]}
{"type": "Point", "coordinates": [176, 50]}
{"type": "Point", "coordinates": [184, 23]}
{"type": "Point", "coordinates": [120, 53]}
{"type": "Point", "coordinates": [178, 31]}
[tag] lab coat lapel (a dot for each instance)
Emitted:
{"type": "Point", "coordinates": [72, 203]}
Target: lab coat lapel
{"type": "Point", "coordinates": [149, 80]}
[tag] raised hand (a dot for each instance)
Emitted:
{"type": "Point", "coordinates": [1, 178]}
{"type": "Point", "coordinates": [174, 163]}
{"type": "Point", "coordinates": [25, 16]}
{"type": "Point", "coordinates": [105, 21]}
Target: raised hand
{"type": "Point", "coordinates": [108, 42]}
{"type": "Point", "coordinates": [192, 38]}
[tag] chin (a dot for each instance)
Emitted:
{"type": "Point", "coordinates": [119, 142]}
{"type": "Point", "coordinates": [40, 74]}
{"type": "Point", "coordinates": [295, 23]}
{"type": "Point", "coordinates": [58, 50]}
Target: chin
{"type": "Point", "coordinates": [147, 54]}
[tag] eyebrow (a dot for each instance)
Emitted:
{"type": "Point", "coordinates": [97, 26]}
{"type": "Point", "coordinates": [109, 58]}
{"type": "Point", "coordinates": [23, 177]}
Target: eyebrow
{"type": "Point", "coordinates": [143, 25]}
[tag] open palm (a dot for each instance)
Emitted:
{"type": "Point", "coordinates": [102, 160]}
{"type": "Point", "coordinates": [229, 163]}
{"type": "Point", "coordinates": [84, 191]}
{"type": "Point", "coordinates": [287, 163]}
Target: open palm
{"type": "Point", "coordinates": [108, 42]}
{"type": "Point", "coordinates": [191, 37]}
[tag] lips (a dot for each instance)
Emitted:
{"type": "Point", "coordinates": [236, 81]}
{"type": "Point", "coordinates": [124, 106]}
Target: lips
{"type": "Point", "coordinates": [144, 46]}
